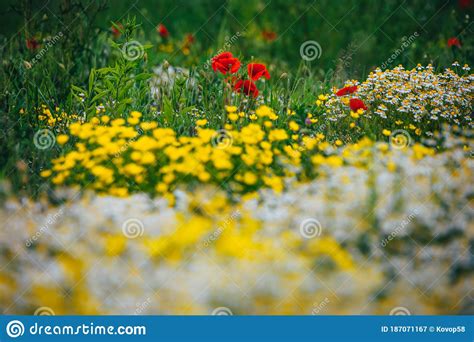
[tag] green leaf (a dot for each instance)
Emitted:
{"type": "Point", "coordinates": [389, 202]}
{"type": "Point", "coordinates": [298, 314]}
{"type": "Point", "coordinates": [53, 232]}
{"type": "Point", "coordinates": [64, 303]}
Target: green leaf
{"type": "Point", "coordinates": [143, 76]}
{"type": "Point", "coordinates": [100, 95]}
{"type": "Point", "coordinates": [167, 109]}
{"type": "Point", "coordinates": [91, 80]}
{"type": "Point", "coordinates": [78, 89]}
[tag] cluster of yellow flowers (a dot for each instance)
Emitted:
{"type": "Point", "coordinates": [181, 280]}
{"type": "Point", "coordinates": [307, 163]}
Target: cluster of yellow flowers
{"type": "Point", "coordinates": [119, 156]}
{"type": "Point", "coordinates": [57, 118]}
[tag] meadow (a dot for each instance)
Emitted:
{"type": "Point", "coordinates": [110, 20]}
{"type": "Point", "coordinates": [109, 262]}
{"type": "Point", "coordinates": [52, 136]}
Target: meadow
{"type": "Point", "coordinates": [237, 157]}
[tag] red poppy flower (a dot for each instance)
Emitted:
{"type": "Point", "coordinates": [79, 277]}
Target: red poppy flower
{"type": "Point", "coordinates": [257, 70]}
{"type": "Point", "coordinates": [346, 90]}
{"type": "Point", "coordinates": [116, 29]}
{"type": "Point", "coordinates": [32, 44]}
{"type": "Point", "coordinates": [357, 104]}
{"type": "Point", "coordinates": [225, 63]}
{"type": "Point", "coordinates": [453, 41]}
{"type": "Point", "coordinates": [247, 87]}
{"type": "Point", "coordinates": [269, 36]}
{"type": "Point", "coordinates": [162, 30]}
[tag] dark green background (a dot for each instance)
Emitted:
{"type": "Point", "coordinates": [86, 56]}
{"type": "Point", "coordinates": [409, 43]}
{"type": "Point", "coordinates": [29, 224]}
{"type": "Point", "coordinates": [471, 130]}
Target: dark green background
{"type": "Point", "coordinates": [364, 33]}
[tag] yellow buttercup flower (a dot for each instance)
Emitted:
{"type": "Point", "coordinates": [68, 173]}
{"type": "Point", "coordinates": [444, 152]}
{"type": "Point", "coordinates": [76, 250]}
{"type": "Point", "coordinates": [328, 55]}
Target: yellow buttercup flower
{"type": "Point", "coordinates": [293, 126]}
{"type": "Point", "coordinates": [133, 120]}
{"type": "Point", "coordinates": [249, 178]}
{"type": "Point", "coordinates": [146, 126]}
{"type": "Point", "coordinates": [277, 135]}
{"type": "Point", "coordinates": [133, 169]}
{"type": "Point", "coordinates": [46, 173]}
{"type": "Point", "coordinates": [231, 109]}
{"type": "Point", "coordinates": [62, 139]}
{"type": "Point", "coordinates": [201, 122]}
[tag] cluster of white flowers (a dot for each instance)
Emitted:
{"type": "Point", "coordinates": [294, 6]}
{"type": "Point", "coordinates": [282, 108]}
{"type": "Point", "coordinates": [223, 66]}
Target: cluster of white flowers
{"type": "Point", "coordinates": [413, 96]}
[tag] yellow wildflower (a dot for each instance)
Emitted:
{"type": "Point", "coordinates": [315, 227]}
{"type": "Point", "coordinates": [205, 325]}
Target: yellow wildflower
{"type": "Point", "coordinates": [231, 109]}
{"type": "Point", "coordinates": [293, 126]}
{"type": "Point", "coordinates": [201, 122]}
{"type": "Point", "coordinates": [62, 139]}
